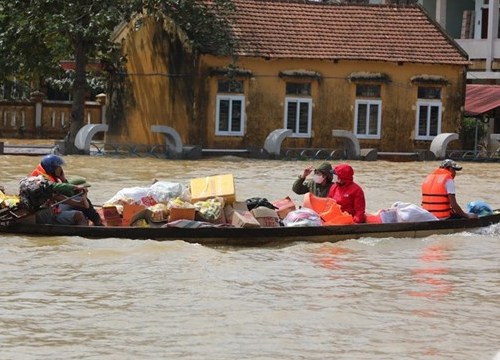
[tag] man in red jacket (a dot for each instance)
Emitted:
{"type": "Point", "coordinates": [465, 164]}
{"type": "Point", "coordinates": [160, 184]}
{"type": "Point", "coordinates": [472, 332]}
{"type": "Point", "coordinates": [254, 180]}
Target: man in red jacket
{"type": "Point", "coordinates": [348, 194]}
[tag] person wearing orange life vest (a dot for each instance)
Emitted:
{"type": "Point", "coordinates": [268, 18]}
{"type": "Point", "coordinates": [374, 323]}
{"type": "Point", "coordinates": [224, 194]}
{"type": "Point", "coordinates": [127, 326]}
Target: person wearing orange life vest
{"type": "Point", "coordinates": [348, 194]}
{"type": "Point", "coordinates": [51, 168]}
{"type": "Point", "coordinates": [438, 192]}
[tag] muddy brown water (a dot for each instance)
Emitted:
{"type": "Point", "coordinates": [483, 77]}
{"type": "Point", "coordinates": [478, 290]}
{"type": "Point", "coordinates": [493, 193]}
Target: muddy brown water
{"type": "Point", "coordinates": [391, 298]}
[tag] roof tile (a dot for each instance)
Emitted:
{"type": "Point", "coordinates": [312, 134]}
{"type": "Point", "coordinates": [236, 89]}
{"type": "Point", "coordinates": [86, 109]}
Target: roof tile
{"type": "Point", "coordinates": [300, 29]}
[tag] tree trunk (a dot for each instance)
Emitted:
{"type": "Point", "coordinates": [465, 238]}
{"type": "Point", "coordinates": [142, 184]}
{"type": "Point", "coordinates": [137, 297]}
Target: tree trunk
{"type": "Point", "coordinates": [79, 89]}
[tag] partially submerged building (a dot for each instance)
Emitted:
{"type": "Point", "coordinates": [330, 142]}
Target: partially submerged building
{"type": "Point", "coordinates": [389, 74]}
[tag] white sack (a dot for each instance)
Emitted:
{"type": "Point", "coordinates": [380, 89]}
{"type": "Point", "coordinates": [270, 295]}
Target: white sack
{"type": "Point", "coordinates": [407, 212]}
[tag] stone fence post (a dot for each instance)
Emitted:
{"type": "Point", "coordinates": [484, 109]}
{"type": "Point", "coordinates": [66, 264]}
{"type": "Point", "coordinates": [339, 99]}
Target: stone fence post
{"type": "Point", "coordinates": [101, 100]}
{"type": "Point", "coordinates": [37, 98]}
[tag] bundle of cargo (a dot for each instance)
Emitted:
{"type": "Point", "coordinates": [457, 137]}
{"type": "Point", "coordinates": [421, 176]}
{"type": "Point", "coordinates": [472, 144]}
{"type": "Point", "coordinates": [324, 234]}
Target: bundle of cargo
{"type": "Point", "coordinates": [210, 199]}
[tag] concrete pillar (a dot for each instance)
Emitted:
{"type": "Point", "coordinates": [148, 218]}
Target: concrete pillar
{"type": "Point", "coordinates": [101, 99]}
{"type": "Point", "coordinates": [441, 12]}
{"type": "Point", "coordinates": [492, 32]}
{"type": "Point", "coordinates": [37, 97]}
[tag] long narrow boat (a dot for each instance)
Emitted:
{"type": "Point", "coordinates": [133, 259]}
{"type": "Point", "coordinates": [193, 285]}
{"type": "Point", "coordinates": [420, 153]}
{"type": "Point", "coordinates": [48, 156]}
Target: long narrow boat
{"type": "Point", "coordinates": [233, 236]}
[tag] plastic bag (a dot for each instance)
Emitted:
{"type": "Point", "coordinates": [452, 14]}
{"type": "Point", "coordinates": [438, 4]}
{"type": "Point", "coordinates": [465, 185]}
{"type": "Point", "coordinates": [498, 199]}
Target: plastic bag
{"type": "Point", "coordinates": [254, 202]}
{"type": "Point", "coordinates": [9, 201]}
{"type": "Point", "coordinates": [35, 191]}
{"type": "Point", "coordinates": [163, 191]}
{"type": "Point", "coordinates": [131, 195]}
{"type": "Point", "coordinates": [407, 212]}
{"type": "Point", "coordinates": [302, 217]}
{"type": "Point", "coordinates": [211, 209]}
{"type": "Point", "coordinates": [479, 208]}
{"type": "Point", "coordinates": [389, 216]}
{"type": "Point", "coordinates": [159, 192]}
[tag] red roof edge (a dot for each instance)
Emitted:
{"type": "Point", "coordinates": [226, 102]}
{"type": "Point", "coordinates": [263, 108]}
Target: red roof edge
{"type": "Point", "coordinates": [479, 99]}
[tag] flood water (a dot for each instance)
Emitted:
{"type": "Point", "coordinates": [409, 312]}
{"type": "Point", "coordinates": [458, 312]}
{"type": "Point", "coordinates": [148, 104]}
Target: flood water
{"type": "Point", "coordinates": [391, 298]}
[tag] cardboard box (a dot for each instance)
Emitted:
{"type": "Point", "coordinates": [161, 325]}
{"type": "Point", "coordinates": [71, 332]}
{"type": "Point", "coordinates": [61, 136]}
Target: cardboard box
{"type": "Point", "coordinates": [238, 215]}
{"type": "Point", "coordinates": [213, 186]}
{"type": "Point", "coordinates": [244, 220]}
{"type": "Point", "coordinates": [129, 211]}
{"type": "Point", "coordinates": [284, 206]}
{"type": "Point", "coordinates": [266, 217]}
{"type": "Point", "coordinates": [220, 220]}
{"type": "Point", "coordinates": [177, 213]}
{"type": "Point", "coordinates": [111, 216]}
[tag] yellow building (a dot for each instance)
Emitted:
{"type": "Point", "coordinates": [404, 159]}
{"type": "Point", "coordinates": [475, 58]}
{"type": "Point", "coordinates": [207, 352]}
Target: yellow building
{"type": "Point", "coordinates": [388, 74]}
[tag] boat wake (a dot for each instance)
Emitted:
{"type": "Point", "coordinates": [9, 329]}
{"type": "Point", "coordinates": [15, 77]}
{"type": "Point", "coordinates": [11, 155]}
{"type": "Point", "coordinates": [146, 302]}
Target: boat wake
{"type": "Point", "coordinates": [491, 230]}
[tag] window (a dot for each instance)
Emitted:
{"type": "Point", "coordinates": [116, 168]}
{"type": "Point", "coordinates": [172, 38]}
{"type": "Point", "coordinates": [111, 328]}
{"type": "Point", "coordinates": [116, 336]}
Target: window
{"type": "Point", "coordinates": [368, 112]}
{"type": "Point", "coordinates": [298, 109]}
{"type": "Point", "coordinates": [230, 110]}
{"type": "Point", "coordinates": [429, 108]}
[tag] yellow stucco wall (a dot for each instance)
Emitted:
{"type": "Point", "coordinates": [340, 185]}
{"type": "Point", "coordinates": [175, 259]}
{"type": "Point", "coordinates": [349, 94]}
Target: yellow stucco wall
{"type": "Point", "coordinates": [186, 101]}
{"type": "Point", "coordinates": [333, 101]}
{"type": "Point", "coordinates": [159, 89]}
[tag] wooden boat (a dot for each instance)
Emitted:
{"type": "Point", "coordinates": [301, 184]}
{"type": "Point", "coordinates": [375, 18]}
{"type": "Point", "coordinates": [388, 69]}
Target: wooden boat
{"type": "Point", "coordinates": [233, 236]}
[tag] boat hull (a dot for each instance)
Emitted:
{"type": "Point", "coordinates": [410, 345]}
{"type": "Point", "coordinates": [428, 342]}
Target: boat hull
{"type": "Point", "coordinates": [232, 236]}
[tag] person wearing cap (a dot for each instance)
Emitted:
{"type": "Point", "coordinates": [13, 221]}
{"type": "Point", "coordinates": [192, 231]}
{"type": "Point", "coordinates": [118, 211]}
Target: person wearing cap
{"type": "Point", "coordinates": [320, 183]}
{"type": "Point", "coordinates": [72, 211]}
{"type": "Point", "coordinates": [348, 194]}
{"type": "Point", "coordinates": [438, 192]}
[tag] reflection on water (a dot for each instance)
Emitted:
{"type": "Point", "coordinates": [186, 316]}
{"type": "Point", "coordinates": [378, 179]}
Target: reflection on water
{"type": "Point", "coordinates": [330, 257]}
{"type": "Point", "coordinates": [74, 298]}
{"type": "Point", "coordinates": [431, 275]}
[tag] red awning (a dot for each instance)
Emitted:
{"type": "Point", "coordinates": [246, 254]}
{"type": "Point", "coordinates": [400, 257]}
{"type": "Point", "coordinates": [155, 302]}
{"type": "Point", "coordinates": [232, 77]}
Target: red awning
{"type": "Point", "coordinates": [480, 99]}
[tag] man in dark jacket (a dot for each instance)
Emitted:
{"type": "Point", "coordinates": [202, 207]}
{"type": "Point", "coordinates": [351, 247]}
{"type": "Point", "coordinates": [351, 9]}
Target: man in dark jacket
{"type": "Point", "coordinates": [320, 183]}
{"type": "Point", "coordinates": [51, 169]}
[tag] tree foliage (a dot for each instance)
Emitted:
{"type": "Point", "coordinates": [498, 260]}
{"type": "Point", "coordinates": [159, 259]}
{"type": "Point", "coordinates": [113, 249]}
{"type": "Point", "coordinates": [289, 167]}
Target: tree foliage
{"type": "Point", "coordinates": [472, 132]}
{"type": "Point", "coordinates": [36, 35]}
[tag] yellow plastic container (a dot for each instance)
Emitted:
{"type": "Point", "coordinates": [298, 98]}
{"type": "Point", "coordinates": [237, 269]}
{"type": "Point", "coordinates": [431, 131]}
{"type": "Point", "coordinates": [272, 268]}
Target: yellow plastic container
{"type": "Point", "coordinates": [213, 186]}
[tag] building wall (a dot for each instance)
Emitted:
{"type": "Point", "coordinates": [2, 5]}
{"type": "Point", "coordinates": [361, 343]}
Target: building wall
{"type": "Point", "coordinates": [168, 85]}
{"type": "Point", "coordinates": [333, 101]}
{"type": "Point", "coordinates": [159, 86]}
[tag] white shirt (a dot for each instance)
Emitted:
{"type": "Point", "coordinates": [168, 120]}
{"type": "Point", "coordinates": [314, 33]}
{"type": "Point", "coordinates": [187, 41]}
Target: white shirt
{"type": "Point", "coordinates": [450, 186]}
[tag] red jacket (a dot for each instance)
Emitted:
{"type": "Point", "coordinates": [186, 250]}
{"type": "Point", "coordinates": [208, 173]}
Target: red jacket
{"type": "Point", "coordinates": [348, 195]}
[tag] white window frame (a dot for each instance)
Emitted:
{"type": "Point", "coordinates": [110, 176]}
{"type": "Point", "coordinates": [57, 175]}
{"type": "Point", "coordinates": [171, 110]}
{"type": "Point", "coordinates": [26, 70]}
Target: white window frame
{"type": "Point", "coordinates": [231, 98]}
{"type": "Point", "coordinates": [298, 101]}
{"type": "Point", "coordinates": [369, 103]}
{"type": "Point", "coordinates": [428, 104]}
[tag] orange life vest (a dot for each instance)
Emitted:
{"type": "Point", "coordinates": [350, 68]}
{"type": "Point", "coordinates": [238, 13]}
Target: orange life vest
{"type": "Point", "coordinates": [434, 195]}
{"type": "Point", "coordinates": [327, 209]}
{"type": "Point", "coordinates": [39, 170]}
